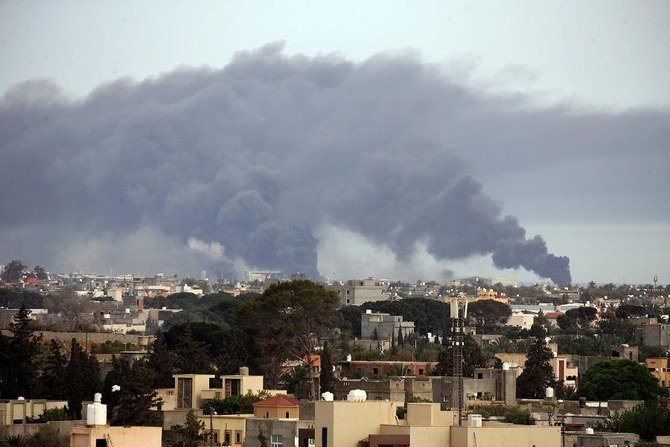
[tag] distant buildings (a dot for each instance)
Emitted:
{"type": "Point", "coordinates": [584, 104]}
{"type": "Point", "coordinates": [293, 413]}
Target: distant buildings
{"type": "Point", "coordinates": [359, 291]}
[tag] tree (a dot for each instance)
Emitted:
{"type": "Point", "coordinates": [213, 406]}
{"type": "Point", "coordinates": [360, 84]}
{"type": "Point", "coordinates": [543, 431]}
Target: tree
{"type": "Point", "coordinates": [23, 350]}
{"type": "Point", "coordinates": [289, 319]}
{"type": "Point", "coordinates": [13, 271]}
{"type": "Point", "coordinates": [472, 358]}
{"type": "Point", "coordinates": [40, 273]}
{"type": "Point", "coordinates": [82, 378]}
{"type": "Point", "coordinates": [190, 433]}
{"type": "Point", "coordinates": [537, 374]}
{"type": "Point", "coordinates": [621, 380]}
{"type": "Point", "coordinates": [489, 314]}
{"type": "Point", "coordinates": [648, 420]}
{"type": "Point", "coordinates": [131, 404]}
{"type": "Point", "coordinates": [242, 404]}
{"type": "Point", "coordinates": [161, 360]}
{"type": "Point", "coordinates": [53, 376]}
{"type": "Point", "coordinates": [326, 379]}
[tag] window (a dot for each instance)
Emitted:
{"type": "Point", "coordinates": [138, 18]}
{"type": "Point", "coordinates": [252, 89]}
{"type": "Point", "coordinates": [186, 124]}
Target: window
{"type": "Point", "coordinates": [324, 436]}
{"type": "Point", "coordinates": [375, 370]}
{"type": "Point", "coordinates": [267, 414]}
{"type": "Point", "coordinates": [421, 371]}
{"type": "Point", "coordinates": [100, 443]}
{"type": "Point", "coordinates": [184, 393]}
{"type": "Point", "coordinates": [226, 437]}
{"type": "Point", "coordinates": [480, 375]}
{"type": "Point", "coordinates": [276, 441]}
{"type": "Point", "coordinates": [287, 415]}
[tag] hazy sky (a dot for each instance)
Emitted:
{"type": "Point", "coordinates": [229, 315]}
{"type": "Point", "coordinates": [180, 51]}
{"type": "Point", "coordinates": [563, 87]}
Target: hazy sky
{"type": "Point", "coordinates": [608, 60]}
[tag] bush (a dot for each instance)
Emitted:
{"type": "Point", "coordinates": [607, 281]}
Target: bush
{"type": "Point", "coordinates": [516, 415]}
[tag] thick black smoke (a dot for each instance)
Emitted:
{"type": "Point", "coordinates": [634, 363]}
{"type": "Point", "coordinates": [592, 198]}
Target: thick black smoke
{"type": "Point", "coordinates": [222, 169]}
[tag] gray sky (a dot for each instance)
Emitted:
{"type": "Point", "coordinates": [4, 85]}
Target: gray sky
{"type": "Point", "coordinates": [609, 60]}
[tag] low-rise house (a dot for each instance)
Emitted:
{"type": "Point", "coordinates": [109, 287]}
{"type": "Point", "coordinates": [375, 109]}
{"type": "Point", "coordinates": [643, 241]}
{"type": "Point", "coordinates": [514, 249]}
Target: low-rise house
{"type": "Point", "coordinates": [104, 435]}
{"type": "Point", "coordinates": [277, 419]}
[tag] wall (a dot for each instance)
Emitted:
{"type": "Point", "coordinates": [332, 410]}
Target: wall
{"type": "Point", "coordinates": [349, 422]}
{"type": "Point", "coordinates": [507, 435]}
{"type": "Point", "coordinates": [119, 436]}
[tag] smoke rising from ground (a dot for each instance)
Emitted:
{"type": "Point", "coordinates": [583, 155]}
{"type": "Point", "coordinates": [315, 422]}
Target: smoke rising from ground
{"type": "Point", "coordinates": [236, 168]}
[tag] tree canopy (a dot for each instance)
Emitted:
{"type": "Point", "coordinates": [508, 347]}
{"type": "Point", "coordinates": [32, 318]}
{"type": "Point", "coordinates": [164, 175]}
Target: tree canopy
{"type": "Point", "coordinates": [619, 379]}
{"type": "Point", "coordinates": [537, 374]}
{"type": "Point", "coordinates": [488, 314]}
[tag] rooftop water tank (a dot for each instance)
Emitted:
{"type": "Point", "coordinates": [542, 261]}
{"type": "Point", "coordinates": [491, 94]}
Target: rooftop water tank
{"type": "Point", "coordinates": [348, 357]}
{"type": "Point", "coordinates": [549, 392]}
{"type": "Point", "coordinates": [588, 431]}
{"type": "Point", "coordinates": [505, 366]}
{"type": "Point", "coordinates": [357, 396]}
{"type": "Point", "coordinates": [96, 413]}
{"type": "Point", "coordinates": [327, 396]}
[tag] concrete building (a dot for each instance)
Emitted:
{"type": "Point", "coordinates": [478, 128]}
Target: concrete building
{"type": "Point", "coordinates": [278, 420]}
{"type": "Point", "coordinates": [360, 368]}
{"type": "Point", "coordinates": [487, 385]}
{"type": "Point", "coordinates": [229, 429]}
{"type": "Point", "coordinates": [373, 424]}
{"type": "Point", "coordinates": [599, 439]}
{"type": "Point", "coordinates": [654, 334]}
{"type": "Point", "coordinates": [359, 291]}
{"type": "Point", "coordinates": [520, 319]}
{"type": "Point", "coordinates": [382, 326]}
{"type": "Point", "coordinates": [16, 411]}
{"type": "Point", "coordinates": [106, 436]}
{"type": "Point", "coordinates": [659, 367]}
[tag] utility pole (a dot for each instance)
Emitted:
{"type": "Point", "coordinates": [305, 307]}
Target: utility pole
{"type": "Point", "coordinates": [458, 313]}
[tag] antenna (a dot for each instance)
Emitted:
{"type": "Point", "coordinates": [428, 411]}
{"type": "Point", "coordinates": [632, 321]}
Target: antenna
{"type": "Point", "coordinates": [457, 322]}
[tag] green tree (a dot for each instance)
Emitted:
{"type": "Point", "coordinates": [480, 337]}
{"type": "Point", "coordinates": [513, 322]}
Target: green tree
{"type": "Point", "coordinates": [472, 358]}
{"type": "Point", "coordinates": [53, 376]}
{"type": "Point", "coordinates": [326, 379]}
{"type": "Point", "coordinates": [12, 271]}
{"type": "Point", "coordinates": [132, 402]}
{"type": "Point", "coordinates": [647, 420]}
{"type": "Point", "coordinates": [243, 404]}
{"type": "Point", "coordinates": [619, 379]}
{"type": "Point", "coordinates": [161, 360]}
{"type": "Point", "coordinates": [288, 321]}
{"type": "Point", "coordinates": [190, 434]}
{"type": "Point", "coordinates": [489, 314]}
{"type": "Point", "coordinates": [82, 378]}
{"type": "Point", "coordinates": [516, 415]}
{"type": "Point", "coordinates": [537, 374]}
{"type": "Point", "coordinates": [23, 350]}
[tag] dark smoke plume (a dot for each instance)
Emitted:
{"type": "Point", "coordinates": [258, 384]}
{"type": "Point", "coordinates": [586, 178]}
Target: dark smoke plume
{"type": "Point", "coordinates": [223, 169]}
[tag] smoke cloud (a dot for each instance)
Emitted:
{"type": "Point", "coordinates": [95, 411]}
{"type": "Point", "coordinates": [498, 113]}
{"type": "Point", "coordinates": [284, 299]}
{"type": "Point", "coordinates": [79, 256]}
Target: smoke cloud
{"type": "Point", "coordinates": [236, 168]}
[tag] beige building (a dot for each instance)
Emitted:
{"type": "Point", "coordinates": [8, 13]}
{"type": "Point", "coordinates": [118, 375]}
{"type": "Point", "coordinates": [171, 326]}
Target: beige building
{"type": "Point", "coordinates": [16, 411]}
{"type": "Point", "coordinates": [194, 390]}
{"type": "Point", "coordinates": [373, 423]}
{"type": "Point", "coordinates": [522, 320]}
{"type": "Point", "coordinates": [228, 429]}
{"type": "Point", "coordinates": [103, 435]}
{"type": "Point", "coordinates": [659, 367]}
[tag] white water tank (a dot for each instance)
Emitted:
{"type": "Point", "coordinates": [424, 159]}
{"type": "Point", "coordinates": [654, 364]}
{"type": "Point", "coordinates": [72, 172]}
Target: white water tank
{"type": "Point", "coordinates": [505, 366]}
{"type": "Point", "coordinates": [368, 311]}
{"type": "Point", "coordinates": [588, 431]}
{"type": "Point", "coordinates": [357, 396]}
{"type": "Point", "coordinates": [327, 396]}
{"type": "Point", "coordinates": [348, 357]}
{"type": "Point", "coordinates": [474, 420]}
{"type": "Point", "coordinates": [549, 392]}
{"type": "Point", "coordinates": [96, 413]}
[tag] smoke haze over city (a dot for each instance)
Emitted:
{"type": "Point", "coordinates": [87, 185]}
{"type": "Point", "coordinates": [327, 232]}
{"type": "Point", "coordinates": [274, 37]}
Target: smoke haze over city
{"type": "Point", "coordinates": [237, 168]}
